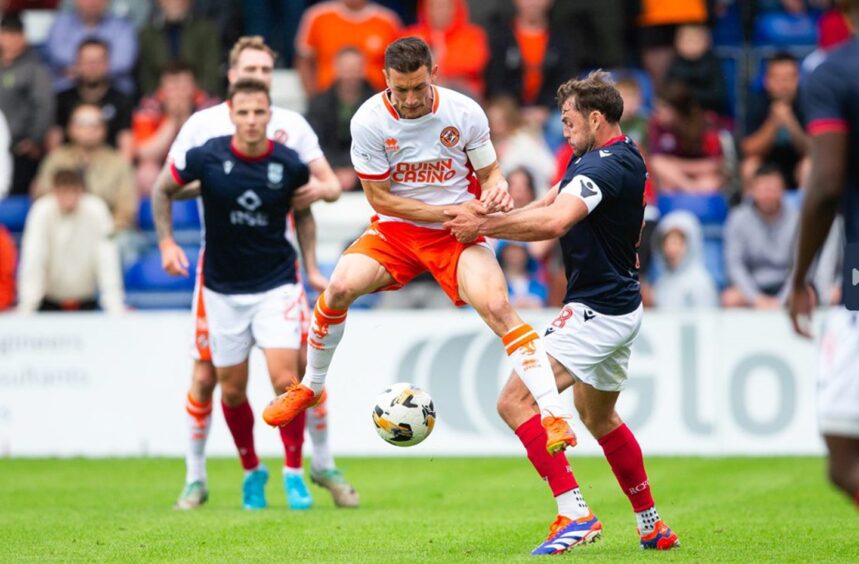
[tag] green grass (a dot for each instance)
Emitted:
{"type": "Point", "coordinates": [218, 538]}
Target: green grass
{"type": "Point", "coordinates": [418, 510]}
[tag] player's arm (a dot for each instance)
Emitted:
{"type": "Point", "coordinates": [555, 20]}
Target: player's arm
{"type": "Point", "coordinates": [378, 193]}
{"type": "Point", "coordinates": [305, 231]}
{"type": "Point", "coordinates": [323, 185]}
{"type": "Point", "coordinates": [173, 258]}
{"type": "Point", "coordinates": [494, 193]}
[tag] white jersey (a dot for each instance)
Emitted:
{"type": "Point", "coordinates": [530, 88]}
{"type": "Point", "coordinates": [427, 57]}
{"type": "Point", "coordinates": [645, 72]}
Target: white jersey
{"type": "Point", "coordinates": [286, 126]}
{"type": "Point", "coordinates": [425, 158]}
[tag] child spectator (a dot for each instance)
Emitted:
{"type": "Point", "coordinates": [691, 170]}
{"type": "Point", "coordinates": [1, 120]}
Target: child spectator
{"type": "Point", "coordinates": [685, 282]}
{"type": "Point", "coordinates": [696, 66]}
{"type": "Point", "coordinates": [520, 270]}
{"type": "Point", "coordinates": [633, 122]}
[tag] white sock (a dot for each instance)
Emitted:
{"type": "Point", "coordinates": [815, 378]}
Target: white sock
{"type": "Point", "coordinates": [531, 363]}
{"type": "Point", "coordinates": [325, 334]}
{"type": "Point", "coordinates": [317, 425]}
{"type": "Point", "coordinates": [252, 470]}
{"type": "Point", "coordinates": [296, 471]}
{"type": "Point", "coordinates": [199, 423]}
{"type": "Point", "coordinates": [647, 520]}
{"type": "Point", "coordinates": [572, 504]}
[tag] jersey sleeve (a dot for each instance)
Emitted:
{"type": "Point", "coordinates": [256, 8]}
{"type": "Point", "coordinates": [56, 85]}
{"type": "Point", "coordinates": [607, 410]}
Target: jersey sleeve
{"type": "Point", "coordinates": [591, 182]}
{"type": "Point", "coordinates": [477, 127]}
{"type": "Point", "coordinates": [186, 139]}
{"type": "Point", "coordinates": [306, 141]}
{"type": "Point", "coordinates": [823, 96]}
{"type": "Point", "coordinates": [299, 172]}
{"type": "Point", "coordinates": [192, 168]}
{"type": "Point", "coordinates": [368, 153]}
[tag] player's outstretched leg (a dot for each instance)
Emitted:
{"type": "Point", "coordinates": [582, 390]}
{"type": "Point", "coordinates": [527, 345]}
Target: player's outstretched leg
{"type": "Point", "coordinates": [482, 285]}
{"type": "Point", "coordinates": [198, 405]}
{"type": "Point", "coordinates": [356, 274]}
{"type": "Point", "coordinates": [596, 409]}
{"type": "Point", "coordinates": [575, 524]}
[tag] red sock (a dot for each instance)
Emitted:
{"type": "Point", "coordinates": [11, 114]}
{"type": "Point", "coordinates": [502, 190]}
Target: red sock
{"type": "Point", "coordinates": [626, 461]}
{"type": "Point", "coordinates": [292, 436]}
{"type": "Point", "coordinates": [553, 468]}
{"type": "Point", "coordinates": [240, 420]}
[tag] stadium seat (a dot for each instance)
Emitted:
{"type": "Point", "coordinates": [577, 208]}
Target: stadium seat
{"type": "Point", "coordinates": [711, 209]}
{"type": "Point", "coordinates": [13, 213]}
{"type": "Point", "coordinates": [147, 286]}
{"type": "Point", "coordinates": [714, 260]}
{"type": "Point", "coordinates": [185, 215]}
{"type": "Point", "coordinates": [781, 29]}
{"type": "Point", "coordinates": [728, 28]}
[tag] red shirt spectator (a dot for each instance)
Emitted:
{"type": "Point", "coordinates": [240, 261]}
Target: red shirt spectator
{"type": "Point", "coordinates": [460, 48]}
{"type": "Point", "coordinates": [8, 261]}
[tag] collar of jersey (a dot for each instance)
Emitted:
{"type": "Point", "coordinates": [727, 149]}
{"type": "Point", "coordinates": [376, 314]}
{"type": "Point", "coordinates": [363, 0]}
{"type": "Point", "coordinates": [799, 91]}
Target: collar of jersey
{"type": "Point", "coordinates": [234, 150]}
{"type": "Point", "coordinates": [386, 99]}
{"type": "Point", "coordinates": [613, 140]}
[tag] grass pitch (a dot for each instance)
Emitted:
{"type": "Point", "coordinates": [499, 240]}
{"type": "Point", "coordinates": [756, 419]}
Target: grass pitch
{"type": "Point", "coordinates": [418, 510]}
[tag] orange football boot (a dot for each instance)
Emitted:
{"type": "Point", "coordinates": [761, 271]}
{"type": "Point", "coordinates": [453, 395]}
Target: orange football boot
{"type": "Point", "coordinates": [286, 407]}
{"type": "Point", "coordinates": [559, 434]}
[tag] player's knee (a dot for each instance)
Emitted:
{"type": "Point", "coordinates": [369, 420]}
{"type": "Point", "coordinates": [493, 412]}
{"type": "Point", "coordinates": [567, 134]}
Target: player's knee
{"type": "Point", "coordinates": [340, 294]}
{"type": "Point", "coordinates": [205, 378]}
{"type": "Point", "coordinates": [498, 308]}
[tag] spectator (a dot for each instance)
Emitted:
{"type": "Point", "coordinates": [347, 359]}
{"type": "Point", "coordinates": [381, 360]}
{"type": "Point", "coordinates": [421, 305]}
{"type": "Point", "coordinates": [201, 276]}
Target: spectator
{"type": "Point", "coordinates": [8, 262]}
{"type": "Point", "coordinates": [460, 48]}
{"type": "Point", "coordinates": [228, 20]}
{"type": "Point", "coordinates": [520, 271]}
{"type": "Point", "coordinates": [330, 113]}
{"type": "Point", "coordinates": [599, 29]}
{"type": "Point", "coordinates": [138, 12]}
{"type": "Point", "coordinates": [685, 282]}
{"type": "Point", "coordinates": [774, 132]}
{"type": "Point", "coordinates": [93, 86]}
{"type": "Point", "coordinates": [159, 117]}
{"type": "Point", "coordinates": [657, 24]}
{"type": "Point", "coordinates": [69, 260]}
{"type": "Point", "coordinates": [696, 66]}
{"type": "Point", "coordinates": [759, 237]}
{"type": "Point", "coordinates": [89, 18]}
{"type": "Point", "coordinates": [517, 146]}
{"type": "Point", "coordinates": [26, 99]}
{"type": "Point", "coordinates": [685, 151]}
{"type": "Point", "coordinates": [173, 35]}
{"type": "Point", "coordinates": [329, 27]}
{"type": "Point", "coordinates": [108, 174]}
{"type": "Point", "coordinates": [529, 58]}
{"type": "Point", "coordinates": [633, 122]}
{"type": "Point", "coordinates": [276, 21]}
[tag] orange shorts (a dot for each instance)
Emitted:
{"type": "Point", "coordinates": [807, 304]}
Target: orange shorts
{"type": "Point", "coordinates": [406, 250]}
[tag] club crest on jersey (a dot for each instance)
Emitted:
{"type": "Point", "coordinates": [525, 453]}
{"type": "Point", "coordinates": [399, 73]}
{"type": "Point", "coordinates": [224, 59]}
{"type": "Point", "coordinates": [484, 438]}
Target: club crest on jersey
{"type": "Point", "coordinates": [449, 136]}
{"type": "Point", "coordinates": [228, 167]}
{"type": "Point", "coordinates": [275, 176]}
{"type": "Point", "coordinates": [391, 144]}
{"type": "Point", "coordinates": [280, 136]}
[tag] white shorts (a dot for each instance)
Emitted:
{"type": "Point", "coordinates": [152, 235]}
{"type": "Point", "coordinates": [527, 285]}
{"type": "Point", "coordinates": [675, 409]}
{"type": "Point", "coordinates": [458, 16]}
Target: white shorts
{"type": "Point", "coordinates": [200, 349]}
{"type": "Point", "coordinates": [838, 385]}
{"type": "Point", "coordinates": [593, 346]}
{"type": "Point", "coordinates": [271, 319]}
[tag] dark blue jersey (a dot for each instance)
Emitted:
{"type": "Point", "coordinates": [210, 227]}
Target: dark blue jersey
{"type": "Point", "coordinates": [600, 253]}
{"type": "Point", "coordinates": [245, 204]}
{"type": "Point", "coordinates": [831, 98]}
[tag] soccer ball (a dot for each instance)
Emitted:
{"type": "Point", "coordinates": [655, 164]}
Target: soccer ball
{"type": "Point", "coordinates": [404, 415]}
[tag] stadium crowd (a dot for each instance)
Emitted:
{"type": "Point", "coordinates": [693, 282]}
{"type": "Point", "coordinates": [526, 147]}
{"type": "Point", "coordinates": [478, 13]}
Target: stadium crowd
{"type": "Point", "coordinates": [93, 92]}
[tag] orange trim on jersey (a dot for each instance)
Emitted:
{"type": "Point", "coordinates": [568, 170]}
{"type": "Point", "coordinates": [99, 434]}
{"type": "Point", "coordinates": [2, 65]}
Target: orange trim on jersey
{"type": "Point", "coordinates": [831, 125]}
{"type": "Point", "coordinates": [435, 99]}
{"type": "Point", "coordinates": [374, 177]}
{"type": "Point", "coordinates": [389, 106]}
{"type": "Point", "coordinates": [530, 337]}
{"type": "Point", "coordinates": [177, 178]}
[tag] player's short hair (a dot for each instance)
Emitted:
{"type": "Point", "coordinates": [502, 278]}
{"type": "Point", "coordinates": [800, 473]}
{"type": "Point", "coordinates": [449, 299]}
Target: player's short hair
{"type": "Point", "coordinates": [596, 92]}
{"type": "Point", "coordinates": [69, 177]}
{"type": "Point", "coordinates": [248, 86]}
{"type": "Point", "coordinates": [408, 54]}
{"type": "Point", "coordinates": [256, 42]}
{"type": "Point", "coordinates": [93, 42]}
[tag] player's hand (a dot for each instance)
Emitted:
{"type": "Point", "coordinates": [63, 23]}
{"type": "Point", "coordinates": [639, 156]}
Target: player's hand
{"type": "Point", "coordinates": [317, 280]}
{"type": "Point", "coordinates": [497, 198]}
{"type": "Point", "coordinates": [464, 223]}
{"type": "Point", "coordinates": [173, 259]}
{"type": "Point", "coordinates": [800, 303]}
{"type": "Point", "coordinates": [307, 194]}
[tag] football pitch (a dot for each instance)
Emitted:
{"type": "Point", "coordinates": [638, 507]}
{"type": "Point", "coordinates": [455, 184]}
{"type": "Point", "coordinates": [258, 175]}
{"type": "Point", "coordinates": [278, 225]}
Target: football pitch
{"type": "Point", "coordinates": [417, 510]}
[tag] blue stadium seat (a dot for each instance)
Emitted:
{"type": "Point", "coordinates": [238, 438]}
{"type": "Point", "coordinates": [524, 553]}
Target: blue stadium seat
{"type": "Point", "coordinates": [728, 28]}
{"type": "Point", "coordinates": [147, 286]}
{"type": "Point", "coordinates": [711, 209]}
{"type": "Point", "coordinates": [730, 70]}
{"type": "Point", "coordinates": [13, 212]}
{"type": "Point", "coordinates": [186, 215]}
{"type": "Point", "coordinates": [714, 260]}
{"type": "Point", "coordinates": [781, 29]}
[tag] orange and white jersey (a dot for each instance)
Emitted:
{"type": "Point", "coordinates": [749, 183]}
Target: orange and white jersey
{"type": "Point", "coordinates": [425, 158]}
{"type": "Point", "coordinates": [286, 126]}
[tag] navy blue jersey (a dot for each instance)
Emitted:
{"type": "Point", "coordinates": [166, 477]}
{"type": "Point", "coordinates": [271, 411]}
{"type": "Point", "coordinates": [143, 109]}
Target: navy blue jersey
{"type": "Point", "coordinates": [245, 204]}
{"type": "Point", "coordinates": [831, 98]}
{"type": "Point", "coordinates": [600, 253]}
